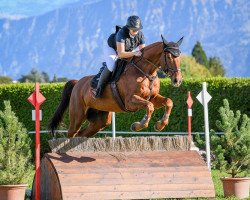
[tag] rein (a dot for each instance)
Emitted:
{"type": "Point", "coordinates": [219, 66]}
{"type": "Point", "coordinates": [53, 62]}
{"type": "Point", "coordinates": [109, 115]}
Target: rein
{"type": "Point", "coordinates": [150, 77]}
{"type": "Point", "coordinates": [168, 68]}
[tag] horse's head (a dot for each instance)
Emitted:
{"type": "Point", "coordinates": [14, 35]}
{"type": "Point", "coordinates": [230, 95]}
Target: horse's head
{"type": "Point", "coordinates": [170, 61]}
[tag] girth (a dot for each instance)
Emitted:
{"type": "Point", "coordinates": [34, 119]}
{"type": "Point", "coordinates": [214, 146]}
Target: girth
{"type": "Point", "coordinates": [117, 96]}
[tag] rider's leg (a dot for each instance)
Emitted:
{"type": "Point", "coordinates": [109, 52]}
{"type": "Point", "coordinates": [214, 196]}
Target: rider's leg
{"type": "Point", "coordinates": [110, 58]}
{"type": "Point", "coordinates": [103, 81]}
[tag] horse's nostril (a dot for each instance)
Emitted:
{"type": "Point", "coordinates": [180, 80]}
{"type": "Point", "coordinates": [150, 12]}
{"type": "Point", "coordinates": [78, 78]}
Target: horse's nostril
{"type": "Point", "coordinates": [175, 80]}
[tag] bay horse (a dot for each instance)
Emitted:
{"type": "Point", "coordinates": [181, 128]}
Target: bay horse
{"type": "Point", "coordinates": [138, 86]}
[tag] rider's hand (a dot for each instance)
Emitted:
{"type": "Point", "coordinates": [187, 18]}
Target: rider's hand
{"type": "Point", "coordinates": [137, 53]}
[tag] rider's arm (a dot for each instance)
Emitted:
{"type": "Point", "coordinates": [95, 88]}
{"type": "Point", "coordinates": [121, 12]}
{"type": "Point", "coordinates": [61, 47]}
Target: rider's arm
{"type": "Point", "coordinates": [122, 53]}
{"type": "Point", "coordinates": [142, 41]}
{"type": "Point", "coordinates": [141, 46]}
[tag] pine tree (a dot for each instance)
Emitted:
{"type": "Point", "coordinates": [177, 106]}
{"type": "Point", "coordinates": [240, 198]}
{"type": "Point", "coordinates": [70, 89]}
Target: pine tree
{"type": "Point", "coordinates": [232, 150]}
{"type": "Point", "coordinates": [199, 54]}
{"type": "Point", "coordinates": [15, 152]}
{"type": "Point", "coordinates": [55, 79]}
{"type": "Point", "coordinates": [45, 77]}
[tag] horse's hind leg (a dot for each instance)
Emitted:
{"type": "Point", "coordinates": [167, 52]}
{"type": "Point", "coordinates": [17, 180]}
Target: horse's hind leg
{"type": "Point", "coordinates": [160, 101]}
{"type": "Point", "coordinates": [98, 120]}
{"type": "Point", "coordinates": [76, 116]}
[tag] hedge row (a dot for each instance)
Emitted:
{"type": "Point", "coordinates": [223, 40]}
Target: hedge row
{"type": "Point", "coordinates": [236, 90]}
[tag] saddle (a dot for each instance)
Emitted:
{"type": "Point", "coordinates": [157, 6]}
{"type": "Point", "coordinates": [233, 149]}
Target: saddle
{"type": "Point", "coordinates": [120, 66]}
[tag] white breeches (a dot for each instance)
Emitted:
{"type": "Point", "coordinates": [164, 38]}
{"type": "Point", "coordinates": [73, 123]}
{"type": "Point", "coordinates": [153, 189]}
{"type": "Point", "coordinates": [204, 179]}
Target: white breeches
{"type": "Point", "coordinates": [110, 57]}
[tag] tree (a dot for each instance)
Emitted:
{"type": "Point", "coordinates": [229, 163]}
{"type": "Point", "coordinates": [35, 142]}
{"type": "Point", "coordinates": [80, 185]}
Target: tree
{"type": "Point", "coordinates": [32, 76]}
{"type": "Point", "coordinates": [5, 80]}
{"type": "Point", "coordinates": [199, 54]}
{"type": "Point", "coordinates": [215, 67]}
{"type": "Point", "coordinates": [15, 152]}
{"type": "Point", "coordinates": [191, 69]}
{"type": "Point", "coordinates": [45, 77]}
{"type": "Point", "coordinates": [35, 76]}
{"type": "Point", "coordinates": [55, 79]}
{"type": "Point", "coordinates": [232, 150]}
{"type": "Point", "coordinates": [60, 79]}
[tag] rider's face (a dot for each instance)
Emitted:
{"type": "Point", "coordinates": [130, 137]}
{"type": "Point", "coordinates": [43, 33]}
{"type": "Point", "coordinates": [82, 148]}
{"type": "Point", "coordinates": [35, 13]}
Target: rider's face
{"type": "Point", "coordinates": [133, 32]}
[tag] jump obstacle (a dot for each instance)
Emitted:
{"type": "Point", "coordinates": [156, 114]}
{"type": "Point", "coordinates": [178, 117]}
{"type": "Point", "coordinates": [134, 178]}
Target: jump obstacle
{"type": "Point", "coordinates": [124, 168]}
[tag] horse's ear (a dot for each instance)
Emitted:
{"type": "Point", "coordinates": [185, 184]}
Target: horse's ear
{"type": "Point", "coordinates": [180, 41]}
{"type": "Point", "coordinates": [164, 40]}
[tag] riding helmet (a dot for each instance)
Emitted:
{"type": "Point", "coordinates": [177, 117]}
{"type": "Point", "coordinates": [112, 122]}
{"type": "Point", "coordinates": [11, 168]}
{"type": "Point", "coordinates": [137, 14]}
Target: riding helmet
{"type": "Point", "coordinates": [134, 23]}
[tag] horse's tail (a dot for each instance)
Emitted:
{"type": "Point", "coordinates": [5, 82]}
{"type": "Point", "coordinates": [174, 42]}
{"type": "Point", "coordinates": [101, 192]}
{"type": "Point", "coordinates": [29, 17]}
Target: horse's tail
{"type": "Point", "coordinates": [58, 115]}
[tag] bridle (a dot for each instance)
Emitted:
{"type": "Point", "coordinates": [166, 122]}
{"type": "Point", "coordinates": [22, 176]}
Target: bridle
{"type": "Point", "coordinates": [169, 70]}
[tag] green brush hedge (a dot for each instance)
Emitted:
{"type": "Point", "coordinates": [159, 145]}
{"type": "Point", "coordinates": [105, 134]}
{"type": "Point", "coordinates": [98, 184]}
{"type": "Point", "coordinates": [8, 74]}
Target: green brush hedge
{"type": "Point", "coordinates": [236, 90]}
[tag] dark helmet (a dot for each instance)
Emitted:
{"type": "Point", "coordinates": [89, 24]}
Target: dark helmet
{"type": "Point", "coordinates": [134, 23]}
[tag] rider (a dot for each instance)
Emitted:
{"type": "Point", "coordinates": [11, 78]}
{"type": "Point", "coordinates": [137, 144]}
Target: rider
{"type": "Point", "coordinates": [123, 45]}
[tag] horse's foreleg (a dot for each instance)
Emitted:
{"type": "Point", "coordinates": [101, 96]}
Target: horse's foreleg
{"type": "Point", "coordinates": [160, 101]}
{"type": "Point", "coordinates": [136, 102]}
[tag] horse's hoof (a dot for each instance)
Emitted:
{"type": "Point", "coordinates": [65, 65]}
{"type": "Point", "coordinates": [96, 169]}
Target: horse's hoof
{"type": "Point", "coordinates": [136, 126]}
{"type": "Point", "coordinates": [158, 126]}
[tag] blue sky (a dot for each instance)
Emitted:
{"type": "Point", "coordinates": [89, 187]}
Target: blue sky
{"type": "Point", "coordinates": [201, 20]}
{"type": "Point", "coordinates": [16, 9]}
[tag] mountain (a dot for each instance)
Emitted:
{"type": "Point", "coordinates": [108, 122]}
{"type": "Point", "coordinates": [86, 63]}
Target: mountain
{"type": "Point", "coordinates": [68, 41]}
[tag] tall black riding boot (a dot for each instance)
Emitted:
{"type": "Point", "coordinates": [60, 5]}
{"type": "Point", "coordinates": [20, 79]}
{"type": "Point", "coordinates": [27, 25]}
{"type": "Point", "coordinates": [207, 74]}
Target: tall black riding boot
{"type": "Point", "coordinates": [104, 78]}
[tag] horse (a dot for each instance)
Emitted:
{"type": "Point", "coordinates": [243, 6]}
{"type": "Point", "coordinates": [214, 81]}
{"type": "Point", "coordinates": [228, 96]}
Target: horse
{"type": "Point", "coordinates": [138, 87]}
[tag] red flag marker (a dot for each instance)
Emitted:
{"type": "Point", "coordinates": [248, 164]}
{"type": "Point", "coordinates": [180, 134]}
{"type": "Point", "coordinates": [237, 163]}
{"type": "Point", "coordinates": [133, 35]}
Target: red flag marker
{"type": "Point", "coordinates": [36, 99]}
{"type": "Point", "coordinates": [189, 105]}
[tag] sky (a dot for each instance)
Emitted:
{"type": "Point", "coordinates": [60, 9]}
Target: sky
{"type": "Point", "coordinates": [17, 9]}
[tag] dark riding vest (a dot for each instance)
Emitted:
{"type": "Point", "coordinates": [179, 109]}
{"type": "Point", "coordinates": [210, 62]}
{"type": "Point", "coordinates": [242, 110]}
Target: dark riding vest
{"type": "Point", "coordinates": [123, 36]}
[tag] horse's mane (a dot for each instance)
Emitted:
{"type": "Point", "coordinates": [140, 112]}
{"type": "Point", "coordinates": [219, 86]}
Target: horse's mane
{"type": "Point", "coordinates": [151, 46]}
